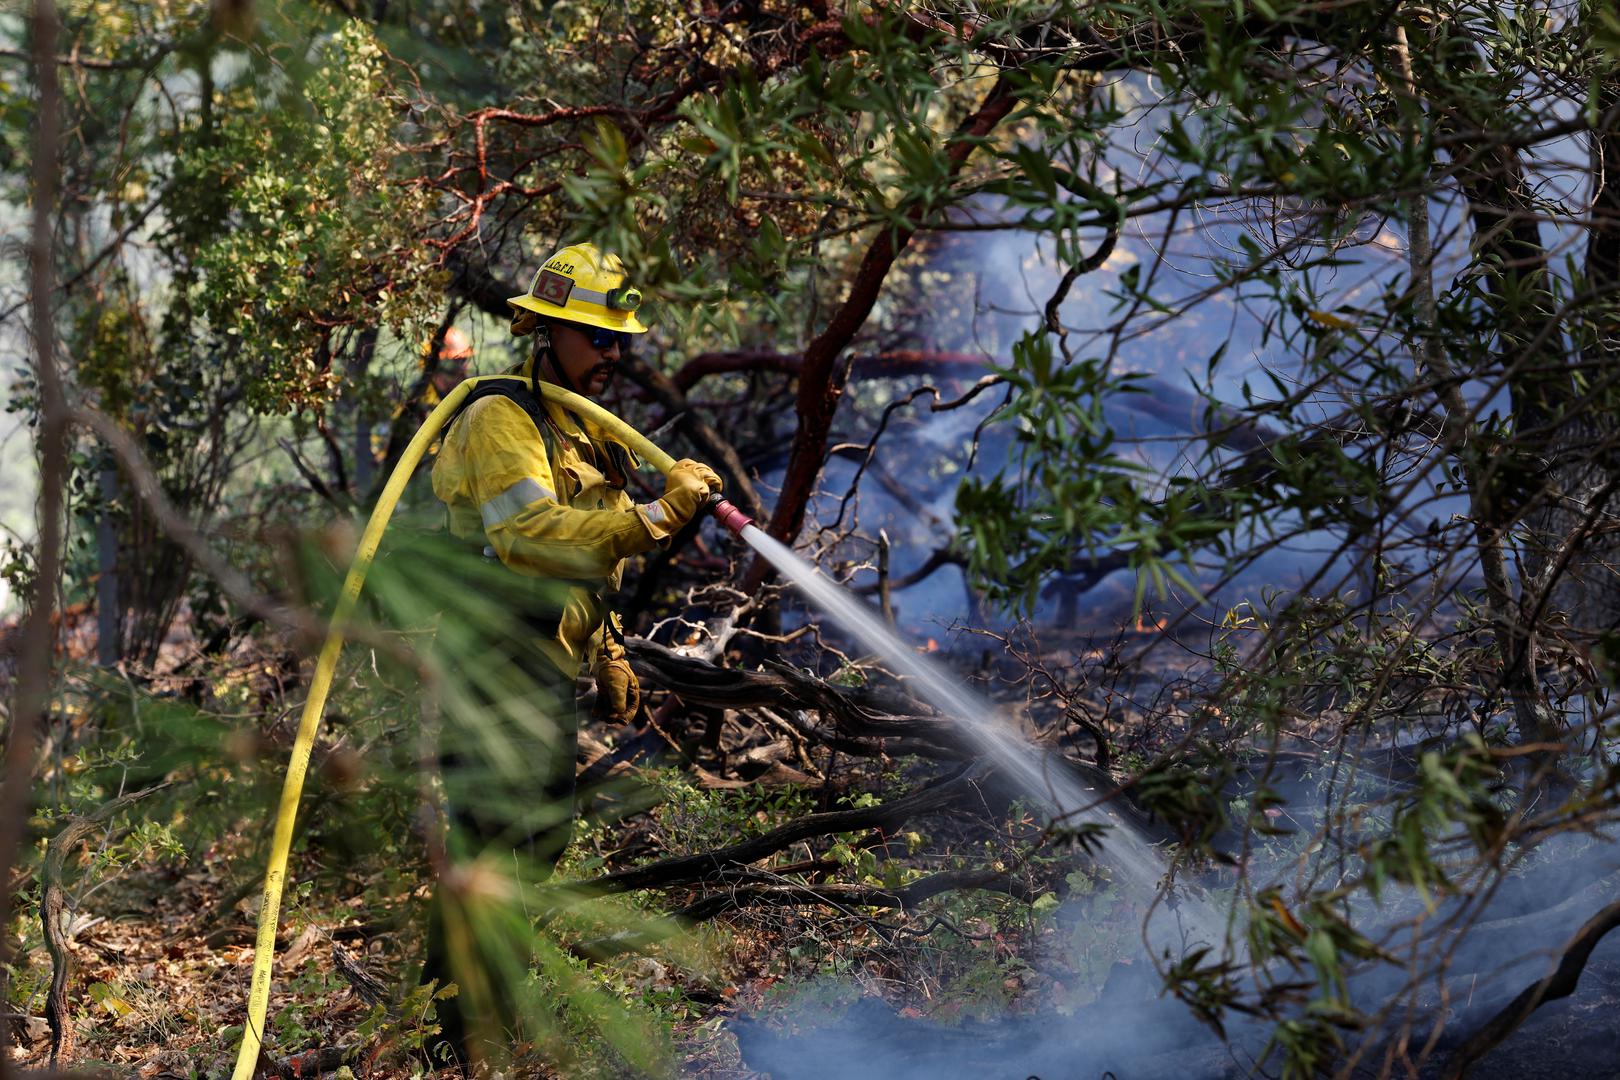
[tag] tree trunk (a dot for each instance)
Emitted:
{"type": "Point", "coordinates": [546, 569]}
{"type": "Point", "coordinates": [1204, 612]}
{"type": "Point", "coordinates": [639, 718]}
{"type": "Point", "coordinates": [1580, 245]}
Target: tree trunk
{"type": "Point", "coordinates": [821, 380]}
{"type": "Point", "coordinates": [109, 610]}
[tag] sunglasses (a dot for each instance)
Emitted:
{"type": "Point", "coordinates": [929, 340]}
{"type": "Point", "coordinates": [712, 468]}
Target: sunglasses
{"type": "Point", "coordinates": [601, 338]}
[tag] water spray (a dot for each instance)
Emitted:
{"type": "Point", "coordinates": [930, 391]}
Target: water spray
{"type": "Point", "coordinates": [292, 787]}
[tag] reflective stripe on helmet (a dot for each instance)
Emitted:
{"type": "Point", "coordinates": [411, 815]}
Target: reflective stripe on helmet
{"type": "Point", "coordinates": [514, 500]}
{"type": "Point", "coordinates": [592, 295]}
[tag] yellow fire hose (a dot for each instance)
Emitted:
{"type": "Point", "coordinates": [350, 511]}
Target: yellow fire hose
{"type": "Point", "coordinates": [292, 787]}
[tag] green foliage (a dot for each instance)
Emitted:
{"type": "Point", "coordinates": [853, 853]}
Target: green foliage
{"type": "Point", "coordinates": [292, 222]}
{"type": "Point", "coordinates": [1068, 492]}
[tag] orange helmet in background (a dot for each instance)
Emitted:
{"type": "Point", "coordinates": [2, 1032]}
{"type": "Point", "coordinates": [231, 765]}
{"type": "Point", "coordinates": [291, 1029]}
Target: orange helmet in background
{"type": "Point", "coordinates": [457, 345]}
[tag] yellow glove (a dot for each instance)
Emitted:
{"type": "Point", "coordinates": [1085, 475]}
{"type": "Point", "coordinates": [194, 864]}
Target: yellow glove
{"type": "Point", "coordinates": [685, 488]}
{"type": "Point", "coordinates": [618, 693]}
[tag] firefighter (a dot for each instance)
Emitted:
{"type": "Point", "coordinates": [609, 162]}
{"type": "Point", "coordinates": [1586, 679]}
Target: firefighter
{"type": "Point", "coordinates": [544, 492]}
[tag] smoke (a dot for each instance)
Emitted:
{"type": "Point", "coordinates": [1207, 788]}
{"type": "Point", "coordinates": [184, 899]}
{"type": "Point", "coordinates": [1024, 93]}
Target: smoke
{"type": "Point", "coordinates": [1460, 964]}
{"type": "Point", "coordinates": [1451, 963]}
{"type": "Point", "coordinates": [1143, 1039]}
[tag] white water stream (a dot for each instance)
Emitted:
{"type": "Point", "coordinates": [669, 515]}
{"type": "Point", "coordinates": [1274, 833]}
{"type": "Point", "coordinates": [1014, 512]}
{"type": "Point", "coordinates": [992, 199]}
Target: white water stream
{"type": "Point", "coordinates": [1135, 864]}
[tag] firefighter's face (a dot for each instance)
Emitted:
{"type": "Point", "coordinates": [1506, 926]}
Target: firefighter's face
{"type": "Point", "coordinates": [586, 355]}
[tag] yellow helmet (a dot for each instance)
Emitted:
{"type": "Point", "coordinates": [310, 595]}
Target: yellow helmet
{"type": "Point", "coordinates": [582, 284]}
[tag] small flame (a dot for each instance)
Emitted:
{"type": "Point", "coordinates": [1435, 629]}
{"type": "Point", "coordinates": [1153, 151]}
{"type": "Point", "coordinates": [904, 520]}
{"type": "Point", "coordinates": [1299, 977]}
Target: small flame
{"type": "Point", "coordinates": [1156, 623]}
{"type": "Point", "coordinates": [932, 646]}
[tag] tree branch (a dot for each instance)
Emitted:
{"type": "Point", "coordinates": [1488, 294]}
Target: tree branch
{"type": "Point", "coordinates": [1559, 984]}
{"type": "Point", "coordinates": [821, 382]}
{"type": "Point", "coordinates": [837, 894]}
{"type": "Point", "coordinates": [709, 442]}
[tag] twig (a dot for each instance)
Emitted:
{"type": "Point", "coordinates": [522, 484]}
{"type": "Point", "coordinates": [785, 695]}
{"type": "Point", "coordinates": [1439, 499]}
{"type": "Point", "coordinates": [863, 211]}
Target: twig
{"type": "Point", "coordinates": [885, 597]}
{"type": "Point", "coordinates": [316, 484]}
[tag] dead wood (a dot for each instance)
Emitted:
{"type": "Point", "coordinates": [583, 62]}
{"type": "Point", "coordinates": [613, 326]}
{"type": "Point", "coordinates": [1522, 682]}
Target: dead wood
{"type": "Point", "coordinates": [777, 893]}
{"type": "Point", "coordinates": [635, 746]}
{"type": "Point", "coordinates": [52, 904]}
{"type": "Point", "coordinates": [855, 713]}
{"type": "Point", "coordinates": [951, 792]}
{"type": "Point", "coordinates": [885, 745]}
{"type": "Point", "coordinates": [773, 775]}
{"type": "Point", "coordinates": [835, 894]}
{"type": "Point", "coordinates": [1559, 984]}
{"type": "Point", "coordinates": [369, 987]}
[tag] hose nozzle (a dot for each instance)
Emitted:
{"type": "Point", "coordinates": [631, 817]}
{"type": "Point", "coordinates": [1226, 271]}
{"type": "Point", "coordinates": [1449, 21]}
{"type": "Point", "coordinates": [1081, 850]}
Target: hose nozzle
{"type": "Point", "coordinates": [729, 517]}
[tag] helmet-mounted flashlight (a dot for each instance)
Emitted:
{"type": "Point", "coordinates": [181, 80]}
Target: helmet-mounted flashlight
{"type": "Point", "coordinates": [624, 298]}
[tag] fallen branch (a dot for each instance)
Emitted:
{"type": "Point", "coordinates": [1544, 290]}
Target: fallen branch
{"type": "Point", "coordinates": [690, 869]}
{"type": "Point", "coordinates": [702, 682]}
{"type": "Point", "coordinates": [855, 712]}
{"type": "Point", "coordinates": [839, 895]}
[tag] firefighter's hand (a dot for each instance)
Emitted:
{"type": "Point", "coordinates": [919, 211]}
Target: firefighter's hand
{"type": "Point", "coordinates": [618, 694]}
{"type": "Point", "coordinates": [685, 488]}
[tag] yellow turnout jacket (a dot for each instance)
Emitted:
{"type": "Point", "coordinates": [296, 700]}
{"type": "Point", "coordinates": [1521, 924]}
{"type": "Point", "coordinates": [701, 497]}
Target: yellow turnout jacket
{"type": "Point", "coordinates": [548, 501]}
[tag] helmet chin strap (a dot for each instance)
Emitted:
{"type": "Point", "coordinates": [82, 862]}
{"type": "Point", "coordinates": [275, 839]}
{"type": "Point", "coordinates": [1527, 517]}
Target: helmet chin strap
{"type": "Point", "coordinates": [544, 351]}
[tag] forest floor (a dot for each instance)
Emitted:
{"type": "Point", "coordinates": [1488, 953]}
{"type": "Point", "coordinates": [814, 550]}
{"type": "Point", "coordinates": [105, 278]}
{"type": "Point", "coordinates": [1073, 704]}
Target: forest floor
{"type": "Point", "coordinates": [161, 946]}
{"type": "Point", "coordinates": [161, 959]}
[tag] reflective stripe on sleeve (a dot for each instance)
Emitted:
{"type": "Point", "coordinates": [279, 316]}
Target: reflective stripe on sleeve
{"type": "Point", "coordinates": [514, 499]}
{"type": "Point", "coordinates": [655, 512]}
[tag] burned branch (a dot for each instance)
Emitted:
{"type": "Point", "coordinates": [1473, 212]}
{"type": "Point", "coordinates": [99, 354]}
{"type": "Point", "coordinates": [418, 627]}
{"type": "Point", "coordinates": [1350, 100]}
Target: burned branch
{"type": "Point", "coordinates": [844, 896]}
{"type": "Point", "coordinates": [1560, 983]}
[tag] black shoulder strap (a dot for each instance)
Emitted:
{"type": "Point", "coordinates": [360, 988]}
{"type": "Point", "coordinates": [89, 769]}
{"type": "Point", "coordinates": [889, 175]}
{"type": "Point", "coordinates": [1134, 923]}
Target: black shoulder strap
{"type": "Point", "coordinates": [516, 390]}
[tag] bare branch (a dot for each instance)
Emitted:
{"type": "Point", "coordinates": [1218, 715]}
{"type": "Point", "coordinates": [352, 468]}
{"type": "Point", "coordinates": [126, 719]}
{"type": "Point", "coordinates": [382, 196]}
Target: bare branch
{"type": "Point", "coordinates": [1559, 984]}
